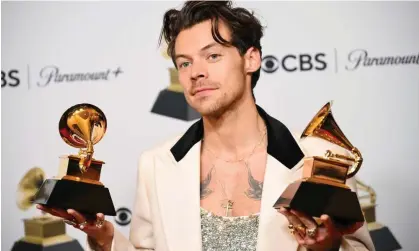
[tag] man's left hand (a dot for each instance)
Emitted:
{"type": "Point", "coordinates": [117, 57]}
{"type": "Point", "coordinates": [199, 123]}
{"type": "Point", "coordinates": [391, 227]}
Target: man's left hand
{"type": "Point", "coordinates": [309, 234]}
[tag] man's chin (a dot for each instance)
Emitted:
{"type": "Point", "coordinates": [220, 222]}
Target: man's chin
{"type": "Point", "coordinates": [209, 111]}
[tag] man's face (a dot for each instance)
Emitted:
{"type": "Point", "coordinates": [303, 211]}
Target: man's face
{"type": "Point", "coordinates": [213, 76]}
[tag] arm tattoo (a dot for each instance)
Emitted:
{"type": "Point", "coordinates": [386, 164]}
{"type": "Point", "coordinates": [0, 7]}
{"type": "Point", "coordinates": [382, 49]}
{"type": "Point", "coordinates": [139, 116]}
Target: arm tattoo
{"type": "Point", "coordinates": [256, 187]}
{"type": "Point", "coordinates": [205, 191]}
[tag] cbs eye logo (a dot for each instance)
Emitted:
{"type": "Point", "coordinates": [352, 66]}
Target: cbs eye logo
{"type": "Point", "coordinates": [123, 216]}
{"type": "Point", "coordinates": [292, 63]}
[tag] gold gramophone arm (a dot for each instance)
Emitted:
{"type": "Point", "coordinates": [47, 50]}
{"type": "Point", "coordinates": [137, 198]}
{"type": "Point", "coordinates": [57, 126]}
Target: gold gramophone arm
{"type": "Point", "coordinates": [357, 160]}
{"type": "Point", "coordinates": [357, 163]}
{"type": "Point", "coordinates": [86, 159]}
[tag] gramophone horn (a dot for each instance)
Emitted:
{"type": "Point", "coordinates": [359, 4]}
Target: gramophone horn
{"type": "Point", "coordinates": [28, 187]}
{"type": "Point", "coordinates": [323, 125]}
{"type": "Point", "coordinates": [82, 126]}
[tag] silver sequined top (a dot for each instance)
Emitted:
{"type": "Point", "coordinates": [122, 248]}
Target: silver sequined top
{"type": "Point", "coordinates": [228, 233]}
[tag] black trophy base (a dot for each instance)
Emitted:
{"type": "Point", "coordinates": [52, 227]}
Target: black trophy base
{"type": "Point", "coordinates": [73, 245]}
{"type": "Point", "coordinates": [173, 104]}
{"type": "Point", "coordinates": [384, 240]}
{"type": "Point", "coordinates": [315, 199]}
{"type": "Point", "coordinates": [86, 198]}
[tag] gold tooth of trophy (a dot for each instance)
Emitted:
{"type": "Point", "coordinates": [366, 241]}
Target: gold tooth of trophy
{"type": "Point", "coordinates": [41, 232]}
{"type": "Point", "coordinates": [78, 185]}
{"type": "Point", "coordinates": [322, 189]}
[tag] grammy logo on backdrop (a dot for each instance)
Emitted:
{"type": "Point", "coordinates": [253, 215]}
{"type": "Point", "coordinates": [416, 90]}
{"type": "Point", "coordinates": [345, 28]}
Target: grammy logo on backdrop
{"type": "Point", "coordinates": [42, 233]}
{"type": "Point", "coordinates": [171, 101]}
{"type": "Point", "coordinates": [381, 235]}
{"type": "Point", "coordinates": [322, 189]}
{"type": "Point", "coordinates": [78, 185]}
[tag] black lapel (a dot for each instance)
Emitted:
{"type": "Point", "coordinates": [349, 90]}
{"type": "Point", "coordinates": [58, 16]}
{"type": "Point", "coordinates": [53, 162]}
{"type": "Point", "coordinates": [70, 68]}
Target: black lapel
{"type": "Point", "coordinates": [281, 144]}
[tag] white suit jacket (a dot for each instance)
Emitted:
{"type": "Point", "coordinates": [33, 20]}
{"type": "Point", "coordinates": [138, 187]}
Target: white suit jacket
{"type": "Point", "coordinates": [166, 213]}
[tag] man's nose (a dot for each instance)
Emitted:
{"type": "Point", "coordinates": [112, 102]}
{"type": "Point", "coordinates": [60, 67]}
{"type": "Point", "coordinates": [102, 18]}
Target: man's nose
{"type": "Point", "coordinates": [199, 70]}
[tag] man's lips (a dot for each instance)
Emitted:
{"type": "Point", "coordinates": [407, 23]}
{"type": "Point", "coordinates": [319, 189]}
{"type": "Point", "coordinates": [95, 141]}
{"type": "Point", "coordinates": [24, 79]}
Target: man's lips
{"type": "Point", "coordinates": [196, 91]}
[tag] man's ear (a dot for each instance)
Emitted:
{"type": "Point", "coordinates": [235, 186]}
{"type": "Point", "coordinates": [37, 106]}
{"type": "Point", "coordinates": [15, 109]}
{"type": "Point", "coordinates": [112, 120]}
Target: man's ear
{"type": "Point", "coordinates": [252, 60]}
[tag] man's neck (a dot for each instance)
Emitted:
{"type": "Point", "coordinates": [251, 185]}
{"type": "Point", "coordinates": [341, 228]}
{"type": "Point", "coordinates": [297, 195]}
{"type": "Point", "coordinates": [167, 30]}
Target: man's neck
{"type": "Point", "coordinates": [235, 133]}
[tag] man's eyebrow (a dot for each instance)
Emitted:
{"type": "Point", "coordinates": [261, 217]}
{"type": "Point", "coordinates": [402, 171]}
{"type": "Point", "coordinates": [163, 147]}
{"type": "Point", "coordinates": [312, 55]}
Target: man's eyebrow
{"type": "Point", "coordinates": [206, 47]}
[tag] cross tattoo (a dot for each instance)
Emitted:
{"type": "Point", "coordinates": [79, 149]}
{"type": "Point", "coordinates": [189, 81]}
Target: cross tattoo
{"type": "Point", "coordinates": [228, 207]}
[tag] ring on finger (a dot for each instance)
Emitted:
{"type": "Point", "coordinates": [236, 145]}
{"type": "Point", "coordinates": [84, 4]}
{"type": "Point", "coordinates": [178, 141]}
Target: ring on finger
{"type": "Point", "coordinates": [301, 229]}
{"type": "Point", "coordinates": [312, 232]}
{"type": "Point", "coordinates": [83, 224]}
{"type": "Point", "coordinates": [291, 228]}
{"type": "Point", "coordinates": [99, 223]}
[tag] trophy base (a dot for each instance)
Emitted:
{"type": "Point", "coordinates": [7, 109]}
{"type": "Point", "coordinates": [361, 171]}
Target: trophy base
{"type": "Point", "coordinates": [315, 199]}
{"type": "Point", "coordinates": [22, 245]}
{"type": "Point", "coordinates": [173, 104]}
{"type": "Point", "coordinates": [83, 197]}
{"type": "Point", "coordinates": [383, 238]}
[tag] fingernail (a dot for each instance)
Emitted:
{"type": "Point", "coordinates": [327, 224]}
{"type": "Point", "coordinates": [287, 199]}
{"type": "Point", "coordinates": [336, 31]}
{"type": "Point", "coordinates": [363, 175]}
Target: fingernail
{"type": "Point", "coordinates": [81, 227]}
{"type": "Point", "coordinates": [69, 211]}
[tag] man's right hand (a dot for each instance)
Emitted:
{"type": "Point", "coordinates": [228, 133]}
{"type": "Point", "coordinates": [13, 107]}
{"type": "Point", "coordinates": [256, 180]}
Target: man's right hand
{"type": "Point", "coordinates": [98, 230]}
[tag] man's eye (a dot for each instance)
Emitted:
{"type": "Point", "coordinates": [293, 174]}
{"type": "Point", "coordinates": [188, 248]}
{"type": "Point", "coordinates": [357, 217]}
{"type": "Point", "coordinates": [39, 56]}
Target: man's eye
{"type": "Point", "coordinates": [214, 56]}
{"type": "Point", "coordinates": [183, 65]}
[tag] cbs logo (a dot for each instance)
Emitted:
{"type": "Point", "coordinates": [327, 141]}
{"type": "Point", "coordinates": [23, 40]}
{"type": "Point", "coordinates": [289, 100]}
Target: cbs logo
{"type": "Point", "coordinates": [292, 63]}
{"type": "Point", "coordinates": [123, 216]}
{"type": "Point", "coordinates": [10, 78]}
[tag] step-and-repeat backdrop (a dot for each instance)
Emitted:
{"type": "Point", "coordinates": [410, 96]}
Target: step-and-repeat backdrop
{"type": "Point", "coordinates": [364, 56]}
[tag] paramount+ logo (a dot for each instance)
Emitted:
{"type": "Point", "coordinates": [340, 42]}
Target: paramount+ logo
{"type": "Point", "coordinates": [303, 62]}
{"type": "Point", "coordinates": [52, 74]}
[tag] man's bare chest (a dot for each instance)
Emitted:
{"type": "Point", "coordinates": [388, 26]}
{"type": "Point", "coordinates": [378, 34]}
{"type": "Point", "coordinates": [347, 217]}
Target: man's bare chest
{"type": "Point", "coordinates": [232, 189]}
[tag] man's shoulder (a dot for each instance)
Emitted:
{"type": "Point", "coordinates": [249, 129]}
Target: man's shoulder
{"type": "Point", "coordinates": [161, 148]}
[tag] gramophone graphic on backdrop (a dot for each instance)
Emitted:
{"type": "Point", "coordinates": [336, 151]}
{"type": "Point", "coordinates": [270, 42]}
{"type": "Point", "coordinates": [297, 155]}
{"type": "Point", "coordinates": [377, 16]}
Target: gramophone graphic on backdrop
{"type": "Point", "coordinates": [383, 238]}
{"type": "Point", "coordinates": [171, 102]}
{"type": "Point", "coordinates": [78, 185]}
{"type": "Point", "coordinates": [44, 232]}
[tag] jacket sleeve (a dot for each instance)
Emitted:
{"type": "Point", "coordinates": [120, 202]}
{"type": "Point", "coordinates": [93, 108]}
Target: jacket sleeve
{"type": "Point", "coordinates": [141, 235]}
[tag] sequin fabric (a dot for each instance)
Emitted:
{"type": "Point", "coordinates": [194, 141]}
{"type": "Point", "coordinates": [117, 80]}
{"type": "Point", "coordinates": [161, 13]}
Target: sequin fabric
{"type": "Point", "coordinates": [221, 233]}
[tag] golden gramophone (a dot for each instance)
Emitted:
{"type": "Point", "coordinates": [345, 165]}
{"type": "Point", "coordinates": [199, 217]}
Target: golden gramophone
{"type": "Point", "coordinates": [77, 185]}
{"type": "Point", "coordinates": [45, 232]}
{"type": "Point", "coordinates": [323, 189]}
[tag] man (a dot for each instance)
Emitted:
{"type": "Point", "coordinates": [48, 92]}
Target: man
{"type": "Point", "coordinates": [213, 188]}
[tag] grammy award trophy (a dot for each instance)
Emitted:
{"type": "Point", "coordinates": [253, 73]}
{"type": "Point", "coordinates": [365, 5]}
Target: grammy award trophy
{"type": "Point", "coordinates": [323, 189]}
{"type": "Point", "coordinates": [78, 185]}
{"type": "Point", "coordinates": [45, 232]}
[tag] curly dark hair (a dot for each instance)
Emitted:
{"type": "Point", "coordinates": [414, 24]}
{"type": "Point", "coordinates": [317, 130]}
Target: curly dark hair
{"type": "Point", "coordinates": [246, 30]}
